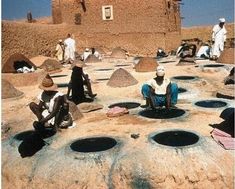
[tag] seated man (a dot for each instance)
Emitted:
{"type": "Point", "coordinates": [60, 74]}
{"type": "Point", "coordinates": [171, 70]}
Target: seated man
{"type": "Point", "coordinates": [76, 84]}
{"type": "Point", "coordinates": [204, 51]}
{"type": "Point", "coordinates": [161, 53]}
{"type": "Point", "coordinates": [159, 91]}
{"type": "Point", "coordinates": [86, 54]}
{"type": "Point", "coordinates": [53, 108]}
{"type": "Point", "coordinates": [96, 53]}
{"type": "Point", "coordinates": [186, 50]}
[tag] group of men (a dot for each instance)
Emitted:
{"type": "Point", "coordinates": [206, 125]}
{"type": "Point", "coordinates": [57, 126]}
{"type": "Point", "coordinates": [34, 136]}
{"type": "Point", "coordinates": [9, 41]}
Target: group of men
{"type": "Point", "coordinates": [207, 50]}
{"type": "Point", "coordinates": [65, 51]}
{"type": "Point", "coordinates": [53, 108]}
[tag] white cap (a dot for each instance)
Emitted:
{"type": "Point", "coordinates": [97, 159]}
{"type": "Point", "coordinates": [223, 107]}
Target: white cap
{"type": "Point", "coordinates": [60, 40]}
{"type": "Point", "coordinates": [87, 49]}
{"type": "Point", "coordinates": [160, 71]}
{"type": "Point", "coordinates": [222, 20]}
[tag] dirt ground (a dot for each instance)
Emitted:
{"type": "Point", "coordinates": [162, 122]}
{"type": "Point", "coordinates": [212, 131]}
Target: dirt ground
{"type": "Point", "coordinates": [16, 116]}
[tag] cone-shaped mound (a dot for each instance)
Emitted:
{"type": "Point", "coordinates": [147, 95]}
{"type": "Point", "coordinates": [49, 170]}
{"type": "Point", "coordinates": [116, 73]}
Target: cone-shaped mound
{"type": "Point", "coordinates": [73, 109]}
{"type": "Point", "coordinates": [9, 91]}
{"type": "Point", "coordinates": [227, 56]}
{"type": "Point", "coordinates": [51, 65]}
{"type": "Point", "coordinates": [146, 64]}
{"type": "Point", "coordinates": [38, 60]}
{"type": "Point", "coordinates": [121, 78]}
{"type": "Point", "coordinates": [118, 53]}
{"type": "Point", "coordinates": [92, 59]}
{"type": "Point", "coordinates": [14, 61]}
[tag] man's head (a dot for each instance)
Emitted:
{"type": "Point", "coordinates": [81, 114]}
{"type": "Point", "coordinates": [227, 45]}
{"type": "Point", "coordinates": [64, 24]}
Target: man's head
{"type": "Point", "coordinates": [221, 22]}
{"type": "Point", "coordinates": [93, 50]}
{"type": "Point", "coordinates": [69, 35]}
{"type": "Point", "coordinates": [48, 85]}
{"type": "Point", "coordinates": [160, 72]}
{"type": "Point", "coordinates": [60, 41]}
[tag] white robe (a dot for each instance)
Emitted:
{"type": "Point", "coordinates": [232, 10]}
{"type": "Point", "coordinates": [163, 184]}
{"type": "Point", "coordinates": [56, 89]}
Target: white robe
{"type": "Point", "coordinates": [69, 49]}
{"type": "Point", "coordinates": [219, 37]}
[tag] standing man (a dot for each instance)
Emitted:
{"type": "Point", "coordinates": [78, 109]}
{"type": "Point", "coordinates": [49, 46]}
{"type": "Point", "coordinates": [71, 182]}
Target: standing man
{"type": "Point", "coordinates": [60, 48]}
{"type": "Point", "coordinates": [70, 49]}
{"type": "Point", "coordinates": [218, 37]}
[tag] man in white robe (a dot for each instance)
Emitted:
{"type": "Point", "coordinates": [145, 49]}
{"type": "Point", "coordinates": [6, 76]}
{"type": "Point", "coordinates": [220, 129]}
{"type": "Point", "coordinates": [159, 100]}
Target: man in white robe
{"type": "Point", "coordinates": [219, 37]}
{"type": "Point", "coordinates": [69, 49]}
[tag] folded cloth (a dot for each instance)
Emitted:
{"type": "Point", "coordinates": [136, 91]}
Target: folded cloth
{"type": "Point", "coordinates": [117, 111]}
{"type": "Point", "coordinates": [224, 139]}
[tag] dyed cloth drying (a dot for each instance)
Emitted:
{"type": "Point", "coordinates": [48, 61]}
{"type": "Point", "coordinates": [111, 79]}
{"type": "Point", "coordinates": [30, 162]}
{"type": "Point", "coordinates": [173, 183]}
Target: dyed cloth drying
{"type": "Point", "coordinates": [224, 139]}
{"type": "Point", "coordinates": [117, 111]}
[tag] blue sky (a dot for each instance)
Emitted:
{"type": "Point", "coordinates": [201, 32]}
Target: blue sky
{"type": "Point", "coordinates": [195, 12]}
{"type": "Point", "coordinates": [206, 12]}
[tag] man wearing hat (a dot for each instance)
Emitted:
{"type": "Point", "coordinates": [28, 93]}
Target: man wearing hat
{"type": "Point", "coordinates": [53, 109]}
{"type": "Point", "coordinates": [159, 91]}
{"type": "Point", "coordinates": [77, 82]}
{"type": "Point", "coordinates": [218, 37]}
{"type": "Point", "coordinates": [59, 51]}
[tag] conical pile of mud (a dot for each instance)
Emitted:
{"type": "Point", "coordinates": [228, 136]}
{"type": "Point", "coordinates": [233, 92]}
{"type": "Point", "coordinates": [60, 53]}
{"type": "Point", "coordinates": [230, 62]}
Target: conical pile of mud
{"type": "Point", "coordinates": [76, 113]}
{"type": "Point", "coordinates": [51, 65]}
{"type": "Point", "coordinates": [100, 50]}
{"type": "Point", "coordinates": [38, 60]}
{"type": "Point", "coordinates": [92, 59]}
{"type": "Point", "coordinates": [146, 64]}
{"type": "Point", "coordinates": [227, 56]}
{"type": "Point", "coordinates": [121, 78]}
{"type": "Point", "coordinates": [14, 60]}
{"type": "Point", "coordinates": [9, 91]}
{"type": "Point", "coordinates": [118, 53]}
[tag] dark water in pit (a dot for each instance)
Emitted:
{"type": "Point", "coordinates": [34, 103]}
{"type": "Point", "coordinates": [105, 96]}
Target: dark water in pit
{"type": "Point", "coordinates": [95, 144]}
{"type": "Point", "coordinates": [162, 113]}
{"type": "Point", "coordinates": [62, 85]}
{"type": "Point", "coordinates": [184, 77]}
{"type": "Point", "coordinates": [103, 69]}
{"type": "Point", "coordinates": [128, 105]}
{"type": "Point", "coordinates": [211, 103]}
{"type": "Point", "coordinates": [55, 76]}
{"type": "Point", "coordinates": [213, 65]}
{"type": "Point", "coordinates": [102, 79]}
{"type": "Point", "coordinates": [182, 90]}
{"type": "Point", "coordinates": [176, 138]}
{"type": "Point", "coordinates": [122, 65]}
{"type": "Point", "coordinates": [25, 134]}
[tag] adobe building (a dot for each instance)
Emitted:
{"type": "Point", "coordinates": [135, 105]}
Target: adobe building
{"type": "Point", "coordinates": [135, 25]}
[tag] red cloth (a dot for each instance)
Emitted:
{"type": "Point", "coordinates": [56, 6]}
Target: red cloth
{"type": "Point", "coordinates": [224, 139]}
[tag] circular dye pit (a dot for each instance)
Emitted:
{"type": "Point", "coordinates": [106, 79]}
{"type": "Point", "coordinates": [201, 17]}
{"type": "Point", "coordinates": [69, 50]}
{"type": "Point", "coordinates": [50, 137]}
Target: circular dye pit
{"type": "Point", "coordinates": [165, 62]}
{"type": "Point", "coordinates": [162, 113]}
{"type": "Point", "coordinates": [211, 104]}
{"type": "Point", "coordinates": [95, 144]}
{"type": "Point", "coordinates": [23, 135]}
{"type": "Point", "coordinates": [103, 69]}
{"type": "Point", "coordinates": [62, 85]}
{"type": "Point", "coordinates": [122, 65]}
{"type": "Point", "coordinates": [184, 77]}
{"type": "Point", "coordinates": [27, 134]}
{"type": "Point", "coordinates": [182, 90]}
{"type": "Point", "coordinates": [213, 65]}
{"type": "Point", "coordinates": [55, 76]}
{"type": "Point", "coordinates": [102, 79]}
{"type": "Point", "coordinates": [128, 105]}
{"type": "Point", "coordinates": [176, 138]}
